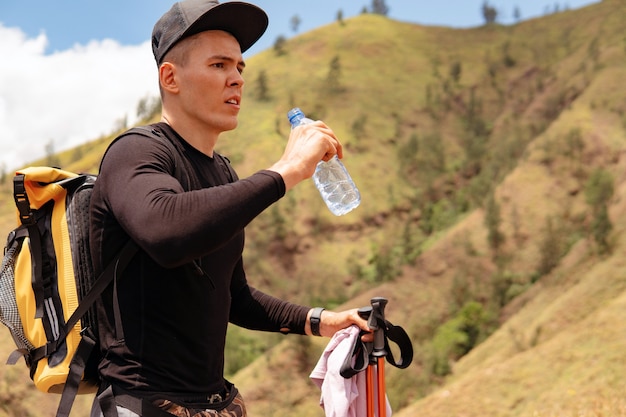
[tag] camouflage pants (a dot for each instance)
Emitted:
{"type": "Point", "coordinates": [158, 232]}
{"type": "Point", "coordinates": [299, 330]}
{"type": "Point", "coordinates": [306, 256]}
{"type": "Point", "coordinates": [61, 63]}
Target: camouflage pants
{"type": "Point", "coordinates": [236, 408]}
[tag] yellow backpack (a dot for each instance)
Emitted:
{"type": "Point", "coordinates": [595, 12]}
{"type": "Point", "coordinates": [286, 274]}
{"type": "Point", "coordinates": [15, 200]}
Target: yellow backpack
{"type": "Point", "coordinates": [47, 282]}
{"type": "Point", "coordinates": [47, 287]}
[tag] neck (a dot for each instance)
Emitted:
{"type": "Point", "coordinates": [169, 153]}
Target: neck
{"type": "Point", "coordinates": [195, 135]}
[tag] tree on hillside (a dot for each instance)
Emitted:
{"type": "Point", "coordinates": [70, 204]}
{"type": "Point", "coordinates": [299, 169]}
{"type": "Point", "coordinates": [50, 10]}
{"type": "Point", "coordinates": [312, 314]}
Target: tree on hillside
{"type": "Point", "coordinates": [142, 108]}
{"type": "Point", "coordinates": [380, 7]}
{"type": "Point", "coordinates": [493, 220]}
{"type": "Point", "coordinates": [333, 84]}
{"type": "Point", "coordinates": [52, 159]}
{"type": "Point", "coordinates": [593, 51]}
{"type": "Point", "coordinates": [295, 22]}
{"type": "Point", "coordinates": [3, 173]}
{"type": "Point", "coordinates": [279, 45]}
{"type": "Point", "coordinates": [507, 59]}
{"type": "Point", "coordinates": [358, 126]}
{"type": "Point", "coordinates": [456, 68]}
{"type": "Point", "coordinates": [148, 107]}
{"type": "Point", "coordinates": [599, 190]}
{"type": "Point", "coordinates": [517, 14]}
{"type": "Point", "coordinates": [551, 247]}
{"type": "Point", "coordinates": [262, 90]}
{"type": "Point", "coordinates": [120, 124]}
{"type": "Point", "coordinates": [489, 13]}
{"type": "Point", "coordinates": [339, 17]}
{"type": "Point", "coordinates": [601, 228]}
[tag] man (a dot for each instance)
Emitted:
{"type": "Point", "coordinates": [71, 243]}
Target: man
{"type": "Point", "coordinates": [163, 326]}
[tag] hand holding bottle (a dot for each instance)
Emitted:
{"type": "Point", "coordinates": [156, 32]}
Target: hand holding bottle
{"type": "Point", "coordinates": [307, 146]}
{"type": "Point", "coordinates": [331, 177]}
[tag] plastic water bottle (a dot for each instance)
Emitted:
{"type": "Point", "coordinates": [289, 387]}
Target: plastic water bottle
{"type": "Point", "coordinates": [331, 178]}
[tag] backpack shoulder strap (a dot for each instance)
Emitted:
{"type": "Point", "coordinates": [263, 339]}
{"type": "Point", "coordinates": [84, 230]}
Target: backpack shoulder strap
{"type": "Point", "coordinates": [27, 219]}
{"type": "Point", "coordinates": [86, 344]}
{"type": "Point", "coordinates": [155, 132]}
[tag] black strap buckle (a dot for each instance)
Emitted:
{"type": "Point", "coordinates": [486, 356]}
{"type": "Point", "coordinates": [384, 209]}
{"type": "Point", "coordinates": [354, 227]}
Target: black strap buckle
{"type": "Point", "coordinates": [21, 201]}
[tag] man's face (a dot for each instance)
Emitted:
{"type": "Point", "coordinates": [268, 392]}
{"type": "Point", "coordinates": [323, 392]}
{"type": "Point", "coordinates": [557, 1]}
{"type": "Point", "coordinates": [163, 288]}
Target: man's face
{"type": "Point", "coordinates": [210, 81]}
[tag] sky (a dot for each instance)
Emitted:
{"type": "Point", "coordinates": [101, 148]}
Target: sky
{"type": "Point", "coordinates": [73, 69]}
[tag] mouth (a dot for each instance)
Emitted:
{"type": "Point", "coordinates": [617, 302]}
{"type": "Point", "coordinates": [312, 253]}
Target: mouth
{"type": "Point", "coordinates": [234, 101]}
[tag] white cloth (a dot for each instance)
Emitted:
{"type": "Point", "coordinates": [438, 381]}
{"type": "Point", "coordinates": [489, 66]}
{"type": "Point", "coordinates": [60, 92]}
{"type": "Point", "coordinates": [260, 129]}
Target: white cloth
{"type": "Point", "coordinates": [343, 397]}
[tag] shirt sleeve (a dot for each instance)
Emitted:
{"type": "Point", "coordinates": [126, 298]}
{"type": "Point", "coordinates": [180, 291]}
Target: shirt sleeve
{"type": "Point", "coordinates": [170, 224]}
{"type": "Point", "coordinates": [256, 310]}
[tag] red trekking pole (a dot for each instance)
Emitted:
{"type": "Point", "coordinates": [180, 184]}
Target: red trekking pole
{"type": "Point", "coordinates": [376, 322]}
{"type": "Point", "coordinates": [371, 356]}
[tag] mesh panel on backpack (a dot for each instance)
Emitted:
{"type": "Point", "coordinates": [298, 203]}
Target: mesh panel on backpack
{"type": "Point", "coordinates": [9, 314]}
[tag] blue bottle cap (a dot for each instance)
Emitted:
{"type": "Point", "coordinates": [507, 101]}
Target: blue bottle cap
{"type": "Point", "coordinates": [294, 115]}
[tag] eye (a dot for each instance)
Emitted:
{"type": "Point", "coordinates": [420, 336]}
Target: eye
{"type": "Point", "coordinates": [218, 65]}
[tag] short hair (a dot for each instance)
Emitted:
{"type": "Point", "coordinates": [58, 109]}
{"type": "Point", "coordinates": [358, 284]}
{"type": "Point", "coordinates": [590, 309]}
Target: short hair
{"type": "Point", "coordinates": [179, 53]}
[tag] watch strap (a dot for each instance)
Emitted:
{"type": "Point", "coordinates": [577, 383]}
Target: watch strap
{"type": "Point", "coordinates": [316, 318]}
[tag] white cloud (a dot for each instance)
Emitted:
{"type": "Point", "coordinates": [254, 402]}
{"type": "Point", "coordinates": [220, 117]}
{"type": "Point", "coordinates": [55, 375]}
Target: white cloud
{"type": "Point", "coordinates": [67, 97]}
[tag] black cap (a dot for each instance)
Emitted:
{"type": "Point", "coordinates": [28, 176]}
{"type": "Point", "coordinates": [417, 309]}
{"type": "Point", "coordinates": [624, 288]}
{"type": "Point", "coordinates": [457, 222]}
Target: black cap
{"type": "Point", "coordinates": [245, 21]}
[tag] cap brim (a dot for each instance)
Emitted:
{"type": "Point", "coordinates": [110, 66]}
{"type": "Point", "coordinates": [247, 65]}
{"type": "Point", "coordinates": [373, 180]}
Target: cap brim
{"type": "Point", "coordinates": [245, 21]}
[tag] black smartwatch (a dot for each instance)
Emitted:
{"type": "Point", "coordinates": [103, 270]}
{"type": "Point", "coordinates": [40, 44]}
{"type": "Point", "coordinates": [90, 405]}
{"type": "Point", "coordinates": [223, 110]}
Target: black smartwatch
{"type": "Point", "coordinates": [316, 316]}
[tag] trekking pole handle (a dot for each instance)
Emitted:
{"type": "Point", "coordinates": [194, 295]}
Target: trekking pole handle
{"type": "Point", "coordinates": [376, 322]}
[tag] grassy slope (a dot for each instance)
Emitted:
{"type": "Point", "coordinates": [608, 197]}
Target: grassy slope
{"type": "Point", "coordinates": [558, 351]}
{"type": "Point", "coordinates": [555, 351]}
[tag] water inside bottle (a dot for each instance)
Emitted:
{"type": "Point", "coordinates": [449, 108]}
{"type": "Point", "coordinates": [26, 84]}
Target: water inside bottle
{"type": "Point", "coordinates": [338, 191]}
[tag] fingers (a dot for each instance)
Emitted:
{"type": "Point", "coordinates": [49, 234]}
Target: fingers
{"type": "Point", "coordinates": [318, 139]}
{"type": "Point", "coordinates": [359, 321]}
{"type": "Point", "coordinates": [362, 323]}
{"type": "Point", "coordinates": [367, 337]}
{"type": "Point", "coordinates": [335, 147]}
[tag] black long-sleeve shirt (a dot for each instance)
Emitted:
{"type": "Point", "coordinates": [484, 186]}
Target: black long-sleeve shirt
{"type": "Point", "coordinates": [174, 313]}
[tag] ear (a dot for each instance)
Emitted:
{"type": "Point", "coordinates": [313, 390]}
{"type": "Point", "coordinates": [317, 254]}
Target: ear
{"type": "Point", "coordinates": [167, 77]}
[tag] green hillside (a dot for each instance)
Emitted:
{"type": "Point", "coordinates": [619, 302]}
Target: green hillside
{"type": "Point", "coordinates": [491, 165]}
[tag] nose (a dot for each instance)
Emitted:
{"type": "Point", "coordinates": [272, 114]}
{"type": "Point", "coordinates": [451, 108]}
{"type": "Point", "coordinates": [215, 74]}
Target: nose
{"type": "Point", "coordinates": [236, 79]}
